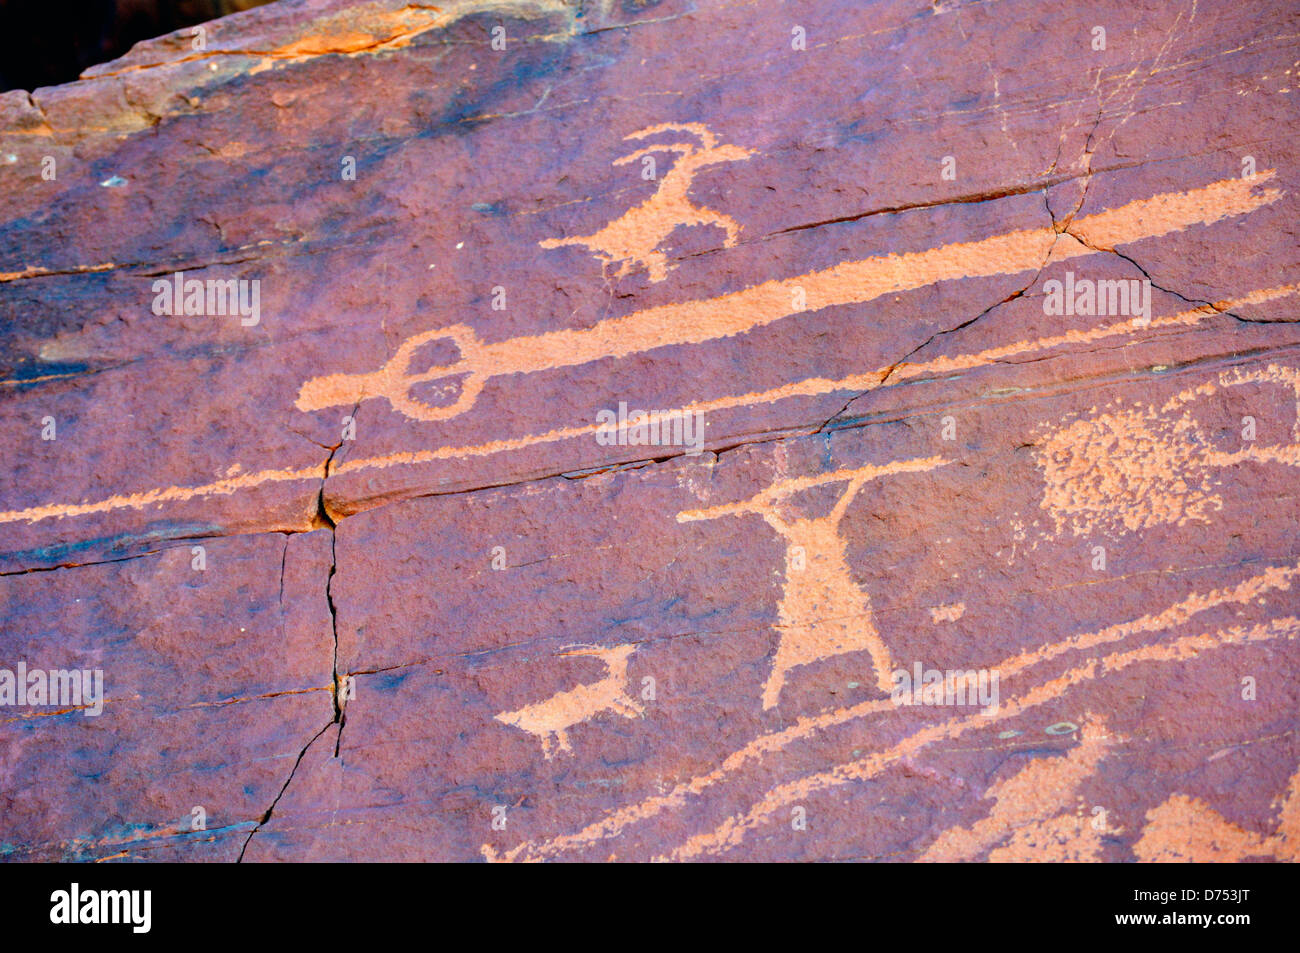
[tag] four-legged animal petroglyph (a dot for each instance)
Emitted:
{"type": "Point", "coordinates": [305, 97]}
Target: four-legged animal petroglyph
{"type": "Point", "coordinates": [634, 237]}
{"type": "Point", "coordinates": [738, 312]}
{"type": "Point", "coordinates": [823, 612]}
{"type": "Point", "coordinates": [1045, 686]}
{"type": "Point", "coordinates": [550, 720]}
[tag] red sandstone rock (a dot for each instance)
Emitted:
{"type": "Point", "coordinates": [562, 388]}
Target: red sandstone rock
{"type": "Point", "coordinates": [440, 619]}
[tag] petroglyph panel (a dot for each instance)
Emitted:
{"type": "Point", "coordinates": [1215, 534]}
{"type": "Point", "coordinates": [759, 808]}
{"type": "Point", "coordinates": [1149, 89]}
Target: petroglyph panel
{"type": "Point", "coordinates": [783, 657]}
{"type": "Point", "coordinates": [964, 566]}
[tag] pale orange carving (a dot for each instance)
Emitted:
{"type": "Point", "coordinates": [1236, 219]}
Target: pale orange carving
{"type": "Point", "coordinates": [870, 380]}
{"type": "Point", "coordinates": [948, 613]}
{"type": "Point", "coordinates": [1028, 811]}
{"type": "Point", "coordinates": [1187, 829]}
{"type": "Point", "coordinates": [823, 612]}
{"type": "Point", "coordinates": [738, 312]}
{"type": "Point", "coordinates": [884, 377]}
{"type": "Point", "coordinates": [634, 237]}
{"type": "Point", "coordinates": [394, 380]}
{"type": "Point", "coordinates": [550, 720]}
{"type": "Point", "coordinates": [1144, 466]}
{"type": "Point", "coordinates": [1272, 580]}
{"type": "Point", "coordinates": [1067, 838]}
{"type": "Point", "coordinates": [732, 831]}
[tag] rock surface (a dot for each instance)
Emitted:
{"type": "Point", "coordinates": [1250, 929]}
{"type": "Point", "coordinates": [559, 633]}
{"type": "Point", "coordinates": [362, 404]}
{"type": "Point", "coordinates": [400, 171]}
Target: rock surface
{"type": "Point", "coordinates": [365, 578]}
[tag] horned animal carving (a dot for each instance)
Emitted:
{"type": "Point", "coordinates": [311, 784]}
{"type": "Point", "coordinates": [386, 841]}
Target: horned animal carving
{"type": "Point", "coordinates": [550, 720]}
{"type": "Point", "coordinates": [633, 239]}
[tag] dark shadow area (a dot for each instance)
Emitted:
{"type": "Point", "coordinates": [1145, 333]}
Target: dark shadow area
{"type": "Point", "coordinates": [48, 42]}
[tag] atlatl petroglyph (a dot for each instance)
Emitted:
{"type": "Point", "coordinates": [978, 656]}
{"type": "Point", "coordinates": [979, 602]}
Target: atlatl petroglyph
{"type": "Point", "coordinates": [395, 379]}
{"type": "Point", "coordinates": [728, 315]}
{"type": "Point", "coordinates": [808, 387]}
{"type": "Point", "coordinates": [823, 612]}
{"type": "Point", "coordinates": [634, 237]}
{"type": "Point", "coordinates": [1144, 466]}
{"type": "Point", "coordinates": [551, 719]}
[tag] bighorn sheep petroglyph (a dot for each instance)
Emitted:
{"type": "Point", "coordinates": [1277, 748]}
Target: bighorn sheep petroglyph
{"type": "Point", "coordinates": [634, 238]}
{"type": "Point", "coordinates": [550, 720]}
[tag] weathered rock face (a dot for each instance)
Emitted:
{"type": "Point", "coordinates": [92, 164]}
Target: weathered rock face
{"type": "Point", "coordinates": [46, 42]}
{"type": "Point", "coordinates": [978, 327]}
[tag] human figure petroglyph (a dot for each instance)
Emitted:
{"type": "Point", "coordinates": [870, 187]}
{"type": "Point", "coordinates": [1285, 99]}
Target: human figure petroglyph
{"type": "Point", "coordinates": [1272, 581]}
{"type": "Point", "coordinates": [822, 612]}
{"type": "Point", "coordinates": [551, 719]}
{"type": "Point", "coordinates": [733, 830]}
{"type": "Point", "coordinates": [1145, 466]}
{"type": "Point", "coordinates": [634, 237]}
